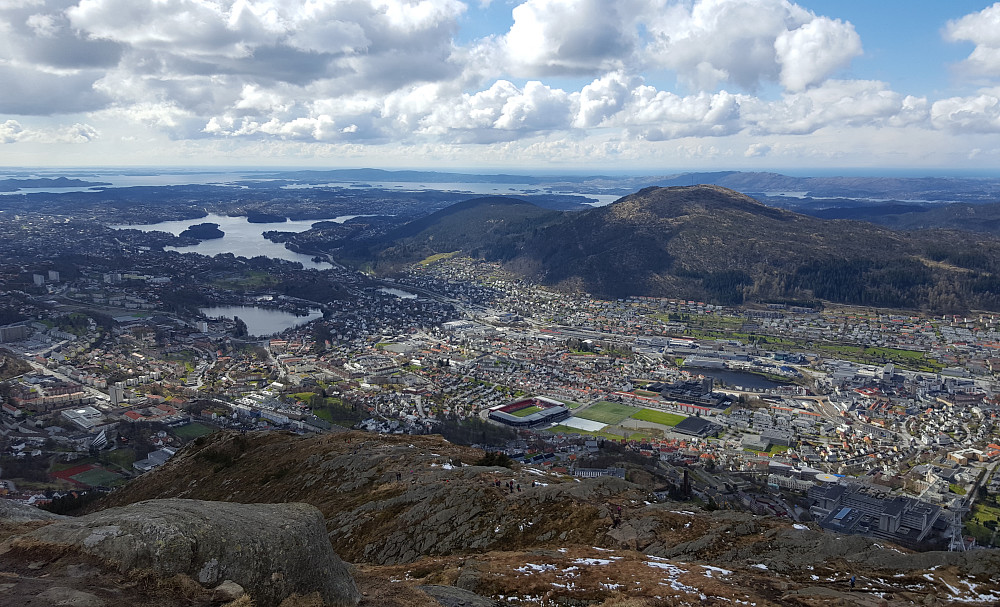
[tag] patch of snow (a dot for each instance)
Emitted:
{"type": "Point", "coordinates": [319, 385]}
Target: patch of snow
{"type": "Point", "coordinates": [972, 596]}
{"type": "Point", "coordinates": [533, 567]}
{"type": "Point", "coordinates": [593, 561]}
{"type": "Point", "coordinates": [673, 572]}
{"type": "Point", "coordinates": [760, 566]}
{"type": "Point", "coordinates": [447, 467]}
{"type": "Point", "coordinates": [611, 586]}
{"type": "Point", "coordinates": [683, 512]}
{"type": "Point", "coordinates": [709, 570]}
{"type": "Point", "coordinates": [951, 588]}
{"type": "Point", "coordinates": [800, 526]}
{"type": "Point", "coordinates": [667, 566]}
{"type": "Point", "coordinates": [814, 577]}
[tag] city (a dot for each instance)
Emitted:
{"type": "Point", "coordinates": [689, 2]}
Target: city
{"type": "Point", "coordinates": [521, 303]}
{"type": "Point", "coordinates": [780, 410]}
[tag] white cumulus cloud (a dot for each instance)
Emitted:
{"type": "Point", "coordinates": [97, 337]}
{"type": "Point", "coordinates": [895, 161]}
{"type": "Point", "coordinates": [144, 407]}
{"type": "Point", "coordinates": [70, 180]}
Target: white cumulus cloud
{"type": "Point", "coordinates": [839, 103]}
{"type": "Point", "coordinates": [811, 53]}
{"type": "Point", "coordinates": [976, 114]}
{"type": "Point", "coordinates": [983, 30]}
{"type": "Point", "coordinates": [10, 131]}
{"type": "Point", "coordinates": [569, 37]}
{"type": "Point", "coordinates": [602, 99]}
{"type": "Point", "coordinates": [709, 42]}
{"type": "Point", "coordinates": [658, 115]}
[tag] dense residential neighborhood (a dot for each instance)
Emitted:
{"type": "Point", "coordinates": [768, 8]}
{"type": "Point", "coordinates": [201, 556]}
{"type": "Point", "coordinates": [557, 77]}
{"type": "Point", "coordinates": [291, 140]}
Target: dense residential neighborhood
{"type": "Point", "coordinates": [770, 408]}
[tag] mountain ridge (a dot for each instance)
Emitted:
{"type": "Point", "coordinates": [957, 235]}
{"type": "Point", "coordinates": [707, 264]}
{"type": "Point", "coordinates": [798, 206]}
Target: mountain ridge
{"type": "Point", "coordinates": [709, 243]}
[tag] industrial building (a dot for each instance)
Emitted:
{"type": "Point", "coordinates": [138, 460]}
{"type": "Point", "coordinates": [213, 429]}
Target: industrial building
{"type": "Point", "coordinates": [863, 511]}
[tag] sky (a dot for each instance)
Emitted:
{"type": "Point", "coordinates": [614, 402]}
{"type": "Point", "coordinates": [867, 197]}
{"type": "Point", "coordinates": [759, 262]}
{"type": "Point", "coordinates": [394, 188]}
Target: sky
{"type": "Point", "coordinates": [535, 85]}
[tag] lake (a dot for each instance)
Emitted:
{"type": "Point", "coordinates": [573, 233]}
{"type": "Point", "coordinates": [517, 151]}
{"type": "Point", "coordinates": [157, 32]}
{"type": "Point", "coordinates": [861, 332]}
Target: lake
{"type": "Point", "coordinates": [737, 378]}
{"type": "Point", "coordinates": [243, 239]}
{"type": "Point", "coordinates": [261, 322]}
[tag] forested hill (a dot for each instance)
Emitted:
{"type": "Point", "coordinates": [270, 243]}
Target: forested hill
{"type": "Point", "coordinates": [709, 243]}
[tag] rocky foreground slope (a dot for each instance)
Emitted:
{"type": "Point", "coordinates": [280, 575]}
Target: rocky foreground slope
{"type": "Point", "coordinates": [423, 529]}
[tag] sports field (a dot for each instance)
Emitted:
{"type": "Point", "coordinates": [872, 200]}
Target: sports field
{"type": "Point", "coordinates": [190, 431]}
{"type": "Point", "coordinates": [96, 477]}
{"type": "Point", "coordinates": [659, 417]}
{"type": "Point", "coordinates": [89, 475]}
{"type": "Point", "coordinates": [525, 412]}
{"type": "Point", "coordinates": [607, 412]}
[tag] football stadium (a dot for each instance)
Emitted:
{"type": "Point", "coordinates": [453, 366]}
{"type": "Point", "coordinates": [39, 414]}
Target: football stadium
{"type": "Point", "coordinates": [530, 412]}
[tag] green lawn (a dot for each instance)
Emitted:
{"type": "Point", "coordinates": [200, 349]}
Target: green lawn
{"type": "Point", "coordinates": [561, 429]}
{"type": "Point", "coordinates": [525, 412]}
{"type": "Point", "coordinates": [438, 257]}
{"type": "Point", "coordinates": [607, 412]}
{"type": "Point", "coordinates": [122, 457]}
{"type": "Point", "coordinates": [908, 359]}
{"type": "Point", "coordinates": [982, 513]}
{"type": "Point", "coordinates": [191, 431]}
{"type": "Point", "coordinates": [659, 417]}
{"type": "Point", "coordinates": [570, 403]}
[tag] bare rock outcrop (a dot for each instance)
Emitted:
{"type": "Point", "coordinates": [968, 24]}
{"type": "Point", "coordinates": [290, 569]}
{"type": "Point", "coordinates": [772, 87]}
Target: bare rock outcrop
{"type": "Point", "coordinates": [271, 550]}
{"type": "Point", "coordinates": [16, 512]}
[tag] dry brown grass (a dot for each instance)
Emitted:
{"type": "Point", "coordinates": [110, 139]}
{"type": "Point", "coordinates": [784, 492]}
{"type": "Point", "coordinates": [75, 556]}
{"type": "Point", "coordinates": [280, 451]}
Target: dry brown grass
{"type": "Point", "coordinates": [614, 578]}
{"type": "Point", "coordinates": [243, 601]}
{"type": "Point", "coordinates": [309, 600]}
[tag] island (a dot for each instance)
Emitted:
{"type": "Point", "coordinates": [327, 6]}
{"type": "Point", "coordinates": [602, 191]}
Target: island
{"type": "Point", "coordinates": [203, 231]}
{"type": "Point", "coordinates": [261, 217]}
{"type": "Point", "coordinates": [14, 185]}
